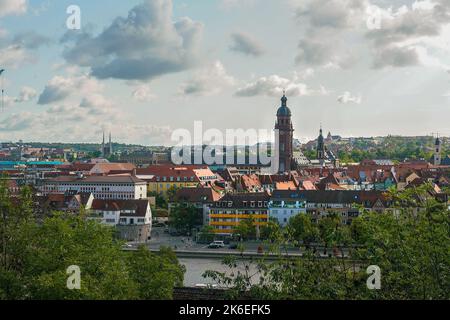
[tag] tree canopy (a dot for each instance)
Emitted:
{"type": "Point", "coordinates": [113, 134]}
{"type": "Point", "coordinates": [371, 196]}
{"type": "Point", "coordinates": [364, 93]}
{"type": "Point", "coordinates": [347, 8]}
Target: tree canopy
{"type": "Point", "coordinates": [35, 256]}
{"type": "Point", "coordinates": [411, 246]}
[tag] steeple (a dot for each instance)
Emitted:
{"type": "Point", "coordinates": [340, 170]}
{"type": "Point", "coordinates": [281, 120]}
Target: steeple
{"type": "Point", "coordinates": [437, 157]}
{"type": "Point", "coordinates": [284, 111]}
{"type": "Point", "coordinates": [320, 146]}
{"type": "Point", "coordinates": [110, 144]}
{"type": "Point", "coordinates": [284, 100]}
{"type": "Point", "coordinates": [103, 145]}
{"type": "Point", "coordinates": [286, 136]}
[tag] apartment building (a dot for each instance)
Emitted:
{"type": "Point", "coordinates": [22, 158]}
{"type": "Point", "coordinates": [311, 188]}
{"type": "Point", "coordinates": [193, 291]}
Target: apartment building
{"type": "Point", "coordinates": [285, 204]}
{"type": "Point", "coordinates": [227, 213]}
{"type": "Point", "coordinates": [124, 187]}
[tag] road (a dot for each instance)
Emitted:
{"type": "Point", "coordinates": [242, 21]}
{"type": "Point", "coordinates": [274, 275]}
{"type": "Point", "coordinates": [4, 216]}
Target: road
{"type": "Point", "coordinates": [187, 245]}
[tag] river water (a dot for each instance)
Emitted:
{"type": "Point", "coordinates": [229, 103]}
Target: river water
{"type": "Point", "coordinates": [195, 267]}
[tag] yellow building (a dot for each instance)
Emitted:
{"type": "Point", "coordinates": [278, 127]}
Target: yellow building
{"type": "Point", "coordinates": [162, 178]}
{"type": "Point", "coordinates": [226, 214]}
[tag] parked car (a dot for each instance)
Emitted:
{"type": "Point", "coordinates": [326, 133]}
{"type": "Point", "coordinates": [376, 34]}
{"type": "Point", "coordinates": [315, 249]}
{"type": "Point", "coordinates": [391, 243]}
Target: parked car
{"type": "Point", "coordinates": [233, 246]}
{"type": "Point", "coordinates": [216, 245]}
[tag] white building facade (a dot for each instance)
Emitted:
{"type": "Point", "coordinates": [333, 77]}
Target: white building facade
{"type": "Point", "coordinates": [132, 218]}
{"type": "Point", "coordinates": [282, 208]}
{"type": "Point", "coordinates": [102, 187]}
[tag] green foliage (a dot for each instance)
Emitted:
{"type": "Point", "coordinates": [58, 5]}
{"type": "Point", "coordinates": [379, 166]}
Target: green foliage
{"type": "Point", "coordinates": [246, 229]}
{"type": "Point", "coordinates": [206, 234]}
{"type": "Point", "coordinates": [156, 275]}
{"type": "Point", "coordinates": [161, 202]}
{"type": "Point", "coordinates": [411, 245]}
{"type": "Point", "coordinates": [272, 232]}
{"type": "Point", "coordinates": [185, 217]}
{"type": "Point", "coordinates": [303, 229]}
{"type": "Point", "coordinates": [35, 257]}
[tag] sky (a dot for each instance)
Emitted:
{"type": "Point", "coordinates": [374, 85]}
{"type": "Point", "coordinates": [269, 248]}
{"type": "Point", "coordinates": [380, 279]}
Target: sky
{"type": "Point", "coordinates": [144, 68]}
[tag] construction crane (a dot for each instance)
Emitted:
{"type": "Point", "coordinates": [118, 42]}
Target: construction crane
{"type": "Point", "coordinates": [3, 89]}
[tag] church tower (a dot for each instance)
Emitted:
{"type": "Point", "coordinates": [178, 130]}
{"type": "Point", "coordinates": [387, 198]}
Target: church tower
{"type": "Point", "coordinates": [321, 146]}
{"type": "Point", "coordinates": [286, 136]}
{"type": "Point", "coordinates": [110, 145]}
{"type": "Point", "coordinates": [437, 152]}
{"type": "Point", "coordinates": [103, 146]}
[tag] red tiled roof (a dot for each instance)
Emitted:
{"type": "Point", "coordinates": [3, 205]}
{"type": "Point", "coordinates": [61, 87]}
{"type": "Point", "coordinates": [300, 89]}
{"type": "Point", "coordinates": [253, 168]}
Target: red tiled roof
{"type": "Point", "coordinates": [197, 195]}
{"type": "Point", "coordinates": [139, 207]}
{"type": "Point", "coordinates": [163, 171]}
{"type": "Point", "coordinates": [289, 185]}
{"type": "Point", "coordinates": [250, 182]}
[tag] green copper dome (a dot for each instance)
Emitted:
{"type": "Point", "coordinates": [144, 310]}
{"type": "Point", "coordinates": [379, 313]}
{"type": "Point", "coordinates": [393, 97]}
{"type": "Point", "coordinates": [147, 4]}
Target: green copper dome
{"type": "Point", "coordinates": [284, 111]}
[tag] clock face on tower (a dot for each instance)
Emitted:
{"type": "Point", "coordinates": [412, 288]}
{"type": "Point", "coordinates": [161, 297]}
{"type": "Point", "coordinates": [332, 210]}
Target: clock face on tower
{"type": "Point", "coordinates": [286, 136]}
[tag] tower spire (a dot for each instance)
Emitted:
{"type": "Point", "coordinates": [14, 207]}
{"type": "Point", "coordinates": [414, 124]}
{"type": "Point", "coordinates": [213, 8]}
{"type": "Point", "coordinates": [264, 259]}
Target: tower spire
{"type": "Point", "coordinates": [110, 144]}
{"type": "Point", "coordinates": [284, 99]}
{"type": "Point", "coordinates": [103, 145]}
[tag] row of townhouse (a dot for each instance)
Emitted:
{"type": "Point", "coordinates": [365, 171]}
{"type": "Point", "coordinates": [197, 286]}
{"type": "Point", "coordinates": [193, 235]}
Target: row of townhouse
{"type": "Point", "coordinates": [162, 178]}
{"type": "Point", "coordinates": [227, 213]}
{"type": "Point", "coordinates": [132, 218]}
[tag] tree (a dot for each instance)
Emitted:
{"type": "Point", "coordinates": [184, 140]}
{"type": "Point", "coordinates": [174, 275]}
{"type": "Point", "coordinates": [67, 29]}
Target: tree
{"type": "Point", "coordinates": [246, 229]}
{"type": "Point", "coordinates": [207, 234]}
{"type": "Point", "coordinates": [410, 245]}
{"type": "Point", "coordinates": [156, 275]}
{"type": "Point", "coordinates": [171, 194]}
{"type": "Point", "coordinates": [161, 202]}
{"type": "Point", "coordinates": [302, 229]}
{"type": "Point", "coordinates": [272, 231]}
{"type": "Point", "coordinates": [185, 217]}
{"type": "Point", "coordinates": [36, 254]}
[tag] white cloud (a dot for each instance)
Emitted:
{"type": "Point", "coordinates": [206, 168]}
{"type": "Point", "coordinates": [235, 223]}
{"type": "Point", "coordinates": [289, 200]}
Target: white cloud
{"type": "Point", "coordinates": [146, 44]}
{"type": "Point", "coordinates": [247, 44]}
{"type": "Point", "coordinates": [10, 7]}
{"type": "Point", "coordinates": [143, 94]}
{"type": "Point", "coordinates": [60, 88]}
{"type": "Point", "coordinates": [26, 94]}
{"type": "Point", "coordinates": [274, 86]}
{"type": "Point", "coordinates": [331, 25]}
{"type": "Point", "coordinates": [347, 97]}
{"type": "Point", "coordinates": [14, 55]}
{"type": "Point", "coordinates": [208, 81]}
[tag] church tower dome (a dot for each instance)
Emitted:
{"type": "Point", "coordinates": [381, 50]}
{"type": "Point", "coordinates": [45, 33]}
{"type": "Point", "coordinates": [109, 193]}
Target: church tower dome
{"type": "Point", "coordinates": [284, 111]}
{"type": "Point", "coordinates": [285, 141]}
